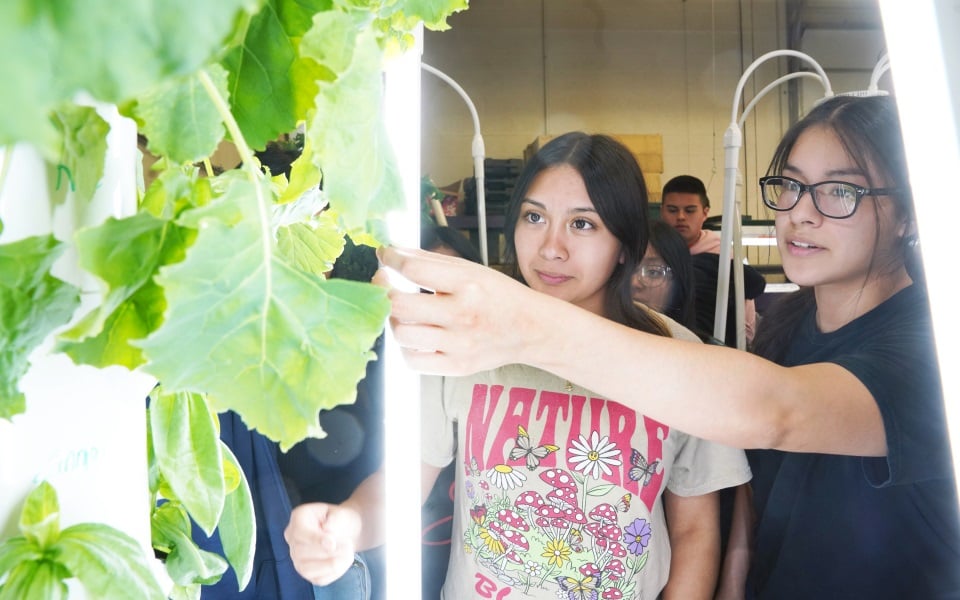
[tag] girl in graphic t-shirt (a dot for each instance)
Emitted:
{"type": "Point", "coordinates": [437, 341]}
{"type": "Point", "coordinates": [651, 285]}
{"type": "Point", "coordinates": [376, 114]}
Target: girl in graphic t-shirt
{"type": "Point", "coordinates": [561, 492]}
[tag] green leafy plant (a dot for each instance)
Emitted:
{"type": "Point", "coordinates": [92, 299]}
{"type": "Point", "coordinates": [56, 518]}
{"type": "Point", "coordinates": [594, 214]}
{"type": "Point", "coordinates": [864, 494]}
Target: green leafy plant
{"type": "Point", "coordinates": [215, 286]}
{"type": "Point", "coordinates": [108, 563]}
{"type": "Point", "coordinates": [194, 475]}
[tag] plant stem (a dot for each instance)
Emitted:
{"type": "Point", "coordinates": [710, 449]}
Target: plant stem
{"type": "Point", "coordinates": [249, 164]}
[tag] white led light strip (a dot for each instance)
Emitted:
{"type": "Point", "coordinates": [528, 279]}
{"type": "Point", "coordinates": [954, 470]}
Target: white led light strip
{"type": "Point", "coordinates": [401, 385]}
{"type": "Point", "coordinates": [922, 61]}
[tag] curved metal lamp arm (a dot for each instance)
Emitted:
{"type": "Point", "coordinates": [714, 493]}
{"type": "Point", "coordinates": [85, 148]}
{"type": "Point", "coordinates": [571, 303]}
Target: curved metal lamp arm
{"type": "Point", "coordinates": [478, 151]}
{"type": "Point", "coordinates": [730, 235]}
{"type": "Point", "coordinates": [883, 65]}
{"type": "Point", "coordinates": [769, 88]}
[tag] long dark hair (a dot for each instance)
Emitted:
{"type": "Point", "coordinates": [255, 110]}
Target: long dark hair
{"type": "Point", "coordinates": [617, 189]}
{"type": "Point", "coordinates": [869, 130]}
{"type": "Point", "coordinates": [673, 249]}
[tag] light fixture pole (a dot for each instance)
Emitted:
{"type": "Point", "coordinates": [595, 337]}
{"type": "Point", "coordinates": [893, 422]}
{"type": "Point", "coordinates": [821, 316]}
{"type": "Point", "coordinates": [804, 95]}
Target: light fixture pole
{"type": "Point", "coordinates": [730, 234]}
{"type": "Point", "coordinates": [479, 153]}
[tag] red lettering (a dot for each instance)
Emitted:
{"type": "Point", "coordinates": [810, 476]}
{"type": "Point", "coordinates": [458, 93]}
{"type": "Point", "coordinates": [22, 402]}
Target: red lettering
{"type": "Point", "coordinates": [478, 420]}
{"type": "Point", "coordinates": [485, 587]}
{"type": "Point", "coordinates": [556, 406]}
{"type": "Point", "coordinates": [544, 418]}
{"type": "Point", "coordinates": [576, 414]}
{"type": "Point", "coordinates": [518, 414]}
{"type": "Point", "coordinates": [656, 433]}
{"type": "Point", "coordinates": [623, 424]}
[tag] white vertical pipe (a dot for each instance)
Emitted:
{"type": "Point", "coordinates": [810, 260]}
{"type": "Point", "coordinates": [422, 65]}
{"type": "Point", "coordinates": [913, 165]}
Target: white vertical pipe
{"type": "Point", "coordinates": [730, 238]}
{"type": "Point", "coordinates": [732, 142]}
{"type": "Point", "coordinates": [478, 151]}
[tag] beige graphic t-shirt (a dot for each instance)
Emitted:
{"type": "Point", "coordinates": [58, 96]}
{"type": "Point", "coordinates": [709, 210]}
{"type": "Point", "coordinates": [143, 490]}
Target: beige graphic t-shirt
{"type": "Point", "coordinates": [558, 491]}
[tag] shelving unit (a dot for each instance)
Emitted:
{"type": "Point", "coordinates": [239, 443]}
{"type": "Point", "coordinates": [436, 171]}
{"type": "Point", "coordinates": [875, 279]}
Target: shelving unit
{"type": "Point", "coordinates": [470, 224]}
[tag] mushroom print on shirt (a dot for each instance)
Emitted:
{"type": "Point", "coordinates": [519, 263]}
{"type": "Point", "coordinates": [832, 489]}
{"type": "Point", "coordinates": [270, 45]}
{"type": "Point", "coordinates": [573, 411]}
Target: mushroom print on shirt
{"type": "Point", "coordinates": [559, 491]}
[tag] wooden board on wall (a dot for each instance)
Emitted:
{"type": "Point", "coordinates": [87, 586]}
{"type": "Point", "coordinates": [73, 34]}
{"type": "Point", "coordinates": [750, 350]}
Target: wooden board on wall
{"type": "Point", "coordinates": [653, 185]}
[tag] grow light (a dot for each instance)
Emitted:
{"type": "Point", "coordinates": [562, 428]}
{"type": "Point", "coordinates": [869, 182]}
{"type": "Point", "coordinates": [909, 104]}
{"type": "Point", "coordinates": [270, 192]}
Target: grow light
{"type": "Point", "coordinates": [929, 105]}
{"type": "Point", "coordinates": [401, 384]}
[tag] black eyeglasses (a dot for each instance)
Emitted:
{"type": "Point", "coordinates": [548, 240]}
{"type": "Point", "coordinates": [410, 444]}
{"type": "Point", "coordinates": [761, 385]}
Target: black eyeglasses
{"type": "Point", "coordinates": [834, 199]}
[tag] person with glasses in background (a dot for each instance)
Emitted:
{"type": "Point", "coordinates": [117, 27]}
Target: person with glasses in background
{"type": "Point", "coordinates": [684, 286]}
{"type": "Point", "coordinates": [664, 280]}
{"type": "Point", "coordinates": [854, 492]}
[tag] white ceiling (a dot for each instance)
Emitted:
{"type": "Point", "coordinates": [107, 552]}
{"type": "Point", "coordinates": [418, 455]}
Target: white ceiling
{"type": "Point", "coordinates": [833, 14]}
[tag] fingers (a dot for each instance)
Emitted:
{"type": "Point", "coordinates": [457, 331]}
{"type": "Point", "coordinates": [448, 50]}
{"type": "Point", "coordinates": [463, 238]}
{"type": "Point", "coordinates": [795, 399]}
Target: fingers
{"type": "Point", "coordinates": [306, 524]}
{"type": "Point", "coordinates": [473, 321]}
{"type": "Point", "coordinates": [439, 310]}
{"type": "Point", "coordinates": [320, 553]}
{"type": "Point", "coordinates": [429, 270]}
{"type": "Point", "coordinates": [440, 363]}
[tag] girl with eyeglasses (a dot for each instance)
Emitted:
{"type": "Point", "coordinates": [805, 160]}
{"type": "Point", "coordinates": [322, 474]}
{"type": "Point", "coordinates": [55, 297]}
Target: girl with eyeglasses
{"type": "Point", "coordinates": [664, 280]}
{"type": "Point", "coordinates": [683, 286]}
{"type": "Point", "coordinates": [854, 491]}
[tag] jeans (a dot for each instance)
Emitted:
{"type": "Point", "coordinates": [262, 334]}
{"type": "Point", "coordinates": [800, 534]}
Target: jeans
{"type": "Point", "coordinates": [352, 585]}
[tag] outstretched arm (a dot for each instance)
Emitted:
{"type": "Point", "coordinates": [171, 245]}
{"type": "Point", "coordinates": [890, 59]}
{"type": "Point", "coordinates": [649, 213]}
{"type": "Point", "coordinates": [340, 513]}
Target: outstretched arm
{"type": "Point", "coordinates": [480, 319]}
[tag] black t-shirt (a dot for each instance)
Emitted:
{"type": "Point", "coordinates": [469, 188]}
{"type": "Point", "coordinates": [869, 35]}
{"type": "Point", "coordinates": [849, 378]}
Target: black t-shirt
{"type": "Point", "coordinates": [852, 527]}
{"type": "Point", "coordinates": [706, 267]}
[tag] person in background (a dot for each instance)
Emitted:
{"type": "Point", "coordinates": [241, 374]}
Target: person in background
{"type": "Point", "coordinates": [854, 490]}
{"type": "Point", "coordinates": [678, 284]}
{"type": "Point", "coordinates": [685, 206]}
{"type": "Point", "coordinates": [664, 281]}
{"type": "Point", "coordinates": [560, 491]}
{"type": "Point", "coordinates": [314, 470]}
